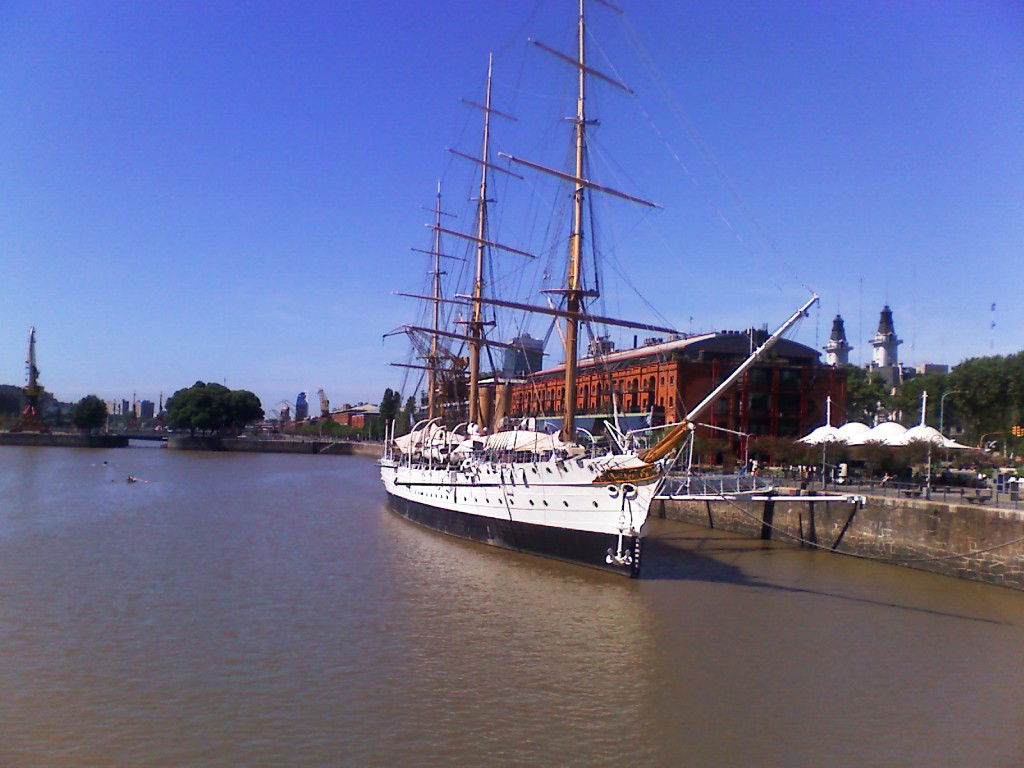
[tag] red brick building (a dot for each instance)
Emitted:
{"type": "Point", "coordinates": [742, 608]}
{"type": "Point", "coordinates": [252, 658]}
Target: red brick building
{"type": "Point", "coordinates": [782, 396]}
{"type": "Point", "coordinates": [358, 416]}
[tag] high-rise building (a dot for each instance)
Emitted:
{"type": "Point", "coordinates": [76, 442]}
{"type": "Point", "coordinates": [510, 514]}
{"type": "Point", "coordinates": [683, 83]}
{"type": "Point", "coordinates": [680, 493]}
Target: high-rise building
{"type": "Point", "coordinates": [146, 408]}
{"type": "Point", "coordinates": [525, 358]}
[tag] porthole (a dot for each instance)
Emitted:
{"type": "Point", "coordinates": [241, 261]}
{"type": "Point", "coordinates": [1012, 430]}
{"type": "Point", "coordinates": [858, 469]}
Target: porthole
{"type": "Point", "coordinates": [545, 502]}
{"type": "Point", "coordinates": [565, 503]}
{"type": "Point", "coordinates": [595, 503]}
{"type": "Point", "coordinates": [531, 502]}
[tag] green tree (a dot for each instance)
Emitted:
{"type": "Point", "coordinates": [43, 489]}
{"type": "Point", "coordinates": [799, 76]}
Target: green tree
{"type": "Point", "coordinates": [245, 408]}
{"type": "Point", "coordinates": [11, 400]}
{"type": "Point", "coordinates": [89, 413]}
{"type": "Point", "coordinates": [907, 399]}
{"type": "Point", "coordinates": [406, 417]}
{"type": "Point", "coordinates": [212, 407]}
{"type": "Point", "coordinates": [877, 457]}
{"type": "Point", "coordinates": [390, 402]}
{"type": "Point", "coordinates": [866, 394]}
{"type": "Point", "coordinates": [989, 393]}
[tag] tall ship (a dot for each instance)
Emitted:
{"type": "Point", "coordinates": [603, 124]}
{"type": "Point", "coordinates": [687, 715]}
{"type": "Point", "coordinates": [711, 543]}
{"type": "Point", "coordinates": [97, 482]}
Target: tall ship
{"type": "Point", "coordinates": [473, 472]}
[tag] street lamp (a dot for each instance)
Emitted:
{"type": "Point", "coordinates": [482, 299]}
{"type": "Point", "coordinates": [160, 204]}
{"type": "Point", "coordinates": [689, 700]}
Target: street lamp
{"type": "Point", "coordinates": [942, 404]}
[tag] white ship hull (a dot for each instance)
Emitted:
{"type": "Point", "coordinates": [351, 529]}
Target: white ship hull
{"type": "Point", "coordinates": [551, 507]}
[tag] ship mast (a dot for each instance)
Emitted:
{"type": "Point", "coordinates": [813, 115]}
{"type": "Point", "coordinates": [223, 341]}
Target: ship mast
{"type": "Point", "coordinates": [476, 325]}
{"type": "Point", "coordinates": [573, 282]}
{"type": "Point", "coordinates": [432, 362]}
{"type": "Point", "coordinates": [574, 291]}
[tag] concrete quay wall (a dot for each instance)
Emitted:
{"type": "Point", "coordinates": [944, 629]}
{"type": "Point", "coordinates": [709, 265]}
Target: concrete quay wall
{"type": "Point", "coordinates": [951, 539]}
{"type": "Point", "coordinates": [62, 440]}
{"type": "Point", "coordinates": [244, 445]}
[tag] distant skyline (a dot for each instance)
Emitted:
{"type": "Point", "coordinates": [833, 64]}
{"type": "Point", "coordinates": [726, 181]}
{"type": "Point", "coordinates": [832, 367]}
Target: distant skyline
{"type": "Point", "coordinates": [229, 191]}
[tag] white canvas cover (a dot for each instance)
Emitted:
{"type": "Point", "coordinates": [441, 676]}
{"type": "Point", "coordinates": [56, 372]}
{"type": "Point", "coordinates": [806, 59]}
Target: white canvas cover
{"type": "Point", "coordinates": [886, 433]}
{"type": "Point", "coordinates": [823, 434]}
{"type": "Point", "coordinates": [522, 440]}
{"type": "Point", "coordinates": [419, 439]}
{"type": "Point", "coordinates": [852, 430]}
{"type": "Point", "coordinates": [923, 434]}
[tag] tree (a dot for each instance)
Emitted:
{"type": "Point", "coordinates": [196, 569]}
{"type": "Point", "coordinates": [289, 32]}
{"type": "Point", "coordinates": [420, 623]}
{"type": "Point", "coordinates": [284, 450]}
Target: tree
{"type": "Point", "coordinates": [877, 458]}
{"type": "Point", "coordinates": [406, 417]}
{"type": "Point", "coordinates": [989, 392]}
{"type": "Point", "coordinates": [866, 393]}
{"type": "Point", "coordinates": [907, 398]}
{"type": "Point", "coordinates": [212, 407]}
{"type": "Point", "coordinates": [11, 400]}
{"type": "Point", "coordinates": [389, 405]}
{"type": "Point", "coordinates": [89, 413]}
{"type": "Point", "coordinates": [245, 408]}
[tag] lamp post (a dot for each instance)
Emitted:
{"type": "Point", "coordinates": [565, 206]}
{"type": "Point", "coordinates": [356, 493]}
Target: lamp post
{"type": "Point", "coordinates": [942, 404]}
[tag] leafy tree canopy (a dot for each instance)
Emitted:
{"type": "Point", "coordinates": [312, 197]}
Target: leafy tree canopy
{"type": "Point", "coordinates": [989, 391]}
{"type": "Point", "coordinates": [866, 394]}
{"type": "Point", "coordinates": [212, 407]}
{"type": "Point", "coordinates": [89, 413]}
{"type": "Point", "coordinates": [907, 399]}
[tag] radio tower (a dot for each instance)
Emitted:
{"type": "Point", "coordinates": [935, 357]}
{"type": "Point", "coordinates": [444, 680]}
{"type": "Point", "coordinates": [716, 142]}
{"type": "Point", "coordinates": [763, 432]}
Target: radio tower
{"type": "Point", "coordinates": [30, 421]}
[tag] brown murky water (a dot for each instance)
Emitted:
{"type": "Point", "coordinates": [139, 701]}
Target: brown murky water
{"type": "Point", "coordinates": [269, 610]}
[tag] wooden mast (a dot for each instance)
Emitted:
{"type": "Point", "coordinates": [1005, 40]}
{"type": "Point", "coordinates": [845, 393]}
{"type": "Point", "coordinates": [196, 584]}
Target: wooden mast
{"type": "Point", "coordinates": [476, 325]}
{"type": "Point", "coordinates": [433, 358]}
{"type": "Point", "coordinates": [573, 281]}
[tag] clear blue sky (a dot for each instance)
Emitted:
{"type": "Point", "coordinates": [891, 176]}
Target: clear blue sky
{"type": "Point", "coordinates": [229, 191]}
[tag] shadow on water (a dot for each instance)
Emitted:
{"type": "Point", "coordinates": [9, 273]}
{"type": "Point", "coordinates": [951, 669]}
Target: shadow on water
{"type": "Point", "coordinates": [664, 561]}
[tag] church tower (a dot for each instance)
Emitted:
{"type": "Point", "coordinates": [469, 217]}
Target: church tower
{"type": "Point", "coordinates": [837, 351]}
{"type": "Point", "coordinates": [885, 341]}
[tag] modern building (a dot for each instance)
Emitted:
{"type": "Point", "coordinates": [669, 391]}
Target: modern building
{"type": "Point", "coordinates": [146, 410]}
{"type": "Point", "coordinates": [526, 357]}
{"type": "Point", "coordinates": [301, 407]}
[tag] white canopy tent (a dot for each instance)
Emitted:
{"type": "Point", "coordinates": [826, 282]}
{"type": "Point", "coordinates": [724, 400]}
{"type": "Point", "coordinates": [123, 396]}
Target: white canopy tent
{"type": "Point", "coordinates": [852, 430]}
{"type": "Point", "coordinates": [823, 434]}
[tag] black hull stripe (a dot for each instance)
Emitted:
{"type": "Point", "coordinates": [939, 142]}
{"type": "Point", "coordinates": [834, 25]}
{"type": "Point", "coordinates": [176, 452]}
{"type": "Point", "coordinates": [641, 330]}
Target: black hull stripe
{"type": "Point", "coordinates": [580, 547]}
